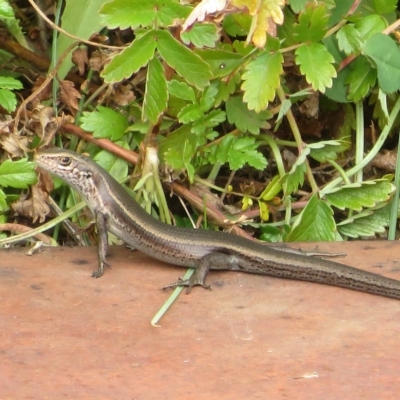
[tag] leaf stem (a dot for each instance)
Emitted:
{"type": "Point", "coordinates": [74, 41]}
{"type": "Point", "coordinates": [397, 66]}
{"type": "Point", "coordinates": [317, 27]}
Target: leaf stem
{"type": "Point", "coordinates": [374, 151]}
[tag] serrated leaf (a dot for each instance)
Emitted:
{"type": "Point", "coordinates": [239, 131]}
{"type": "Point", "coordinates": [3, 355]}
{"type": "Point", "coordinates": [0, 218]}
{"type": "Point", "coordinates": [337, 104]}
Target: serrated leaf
{"type": "Point", "coordinates": [358, 195]}
{"type": "Point", "coordinates": [104, 123]}
{"type": "Point", "coordinates": [8, 100]}
{"type": "Point", "coordinates": [366, 224]}
{"type": "Point", "coordinates": [237, 152]}
{"type": "Point", "coordinates": [180, 150]}
{"type": "Point", "coordinates": [186, 63]}
{"type": "Point", "coordinates": [189, 113]}
{"type": "Point", "coordinates": [298, 5]}
{"type": "Point", "coordinates": [208, 98]}
{"type": "Point", "coordinates": [222, 62]}
{"type": "Point", "coordinates": [244, 119]}
{"type": "Point", "coordinates": [294, 179]}
{"type": "Point", "coordinates": [17, 174]}
{"type": "Point", "coordinates": [10, 83]}
{"type": "Point", "coordinates": [316, 64]}
{"type": "Point", "coordinates": [156, 95]}
{"type": "Point", "coordinates": [214, 118]}
{"type": "Point", "coordinates": [117, 167]}
{"type": "Point", "coordinates": [201, 35]}
{"type": "Point", "coordinates": [181, 90]}
{"type": "Point", "coordinates": [225, 89]}
{"type": "Point", "coordinates": [312, 24]}
{"type": "Point", "coordinates": [349, 39]}
{"type": "Point", "coordinates": [127, 13]}
{"type": "Point", "coordinates": [261, 79]}
{"type": "Point", "coordinates": [130, 60]}
{"type": "Point", "coordinates": [328, 150]}
{"type": "Point", "coordinates": [386, 55]}
{"type": "Point", "coordinates": [7, 17]}
{"type": "Point", "coordinates": [314, 224]}
{"type": "Point", "coordinates": [361, 79]}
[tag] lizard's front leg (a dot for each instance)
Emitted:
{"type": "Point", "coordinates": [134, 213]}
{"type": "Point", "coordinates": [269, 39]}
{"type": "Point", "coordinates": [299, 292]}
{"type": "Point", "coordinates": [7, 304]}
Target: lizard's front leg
{"type": "Point", "coordinates": [101, 223]}
{"type": "Point", "coordinates": [210, 261]}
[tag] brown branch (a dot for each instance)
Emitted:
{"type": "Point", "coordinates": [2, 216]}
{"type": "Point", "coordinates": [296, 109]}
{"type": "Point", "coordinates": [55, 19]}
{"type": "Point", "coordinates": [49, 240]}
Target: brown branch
{"type": "Point", "coordinates": [25, 54]}
{"type": "Point", "coordinates": [17, 228]}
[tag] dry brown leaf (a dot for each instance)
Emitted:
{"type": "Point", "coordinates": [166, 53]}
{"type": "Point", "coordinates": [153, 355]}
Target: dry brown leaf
{"type": "Point", "coordinates": [80, 59]}
{"type": "Point", "coordinates": [69, 95]}
{"type": "Point", "coordinates": [99, 58]}
{"type": "Point", "coordinates": [14, 145]}
{"type": "Point", "coordinates": [35, 206]}
{"type": "Point", "coordinates": [44, 94]}
{"type": "Point", "coordinates": [122, 95]}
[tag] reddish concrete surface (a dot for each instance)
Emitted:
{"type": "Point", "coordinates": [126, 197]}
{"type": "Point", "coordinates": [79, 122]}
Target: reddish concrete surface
{"type": "Point", "coordinates": [65, 335]}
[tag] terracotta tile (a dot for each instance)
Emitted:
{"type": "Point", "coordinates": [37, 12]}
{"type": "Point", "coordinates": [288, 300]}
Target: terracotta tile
{"type": "Point", "coordinates": [65, 335]}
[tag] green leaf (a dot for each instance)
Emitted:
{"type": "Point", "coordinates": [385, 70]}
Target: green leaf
{"type": "Point", "coordinates": [186, 63]}
{"type": "Point", "coordinates": [178, 150]}
{"type": "Point", "coordinates": [298, 5]}
{"type": "Point", "coordinates": [3, 203]}
{"type": "Point", "coordinates": [261, 79]}
{"type": "Point", "coordinates": [349, 39]}
{"type": "Point", "coordinates": [214, 118]}
{"type": "Point", "coordinates": [130, 60]}
{"type": "Point", "coordinates": [386, 55]}
{"type": "Point", "coordinates": [225, 89]}
{"type": "Point", "coordinates": [370, 25]}
{"type": "Point", "coordinates": [328, 150]}
{"type": "Point", "coordinates": [17, 174]}
{"type": "Point", "coordinates": [208, 97]}
{"type": "Point", "coordinates": [244, 119]}
{"type": "Point", "coordinates": [156, 95]}
{"type": "Point", "coordinates": [189, 113]}
{"type": "Point", "coordinates": [316, 64]}
{"type": "Point", "coordinates": [201, 35]}
{"type": "Point", "coordinates": [181, 90]}
{"type": "Point", "coordinates": [237, 152]}
{"type": "Point", "coordinates": [358, 195]}
{"type": "Point", "coordinates": [314, 224]}
{"type": "Point", "coordinates": [272, 189]}
{"type": "Point", "coordinates": [104, 123]}
{"type": "Point", "coordinates": [117, 167]}
{"type": "Point", "coordinates": [366, 224]}
{"type": "Point", "coordinates": [338, 91]}
{"type": "Point", "coordinates": [127, 13]}
{"type": "Point", "coordinates": [222, 62]}
{"type": "Point", "coordinates": [7, 17]}
{"type": "Point", "coordinates": [361, 78]}
{"type": "Point", "coordinates": [8, 100]}
{"type": "Point", "coordinates": [312, 24]}
{"type": "Point", "coordinates": [385, 6]}
{"type": "Point", "coordinates": [295, 178]}
{"type": "Point", "coordinates": [10, 83]}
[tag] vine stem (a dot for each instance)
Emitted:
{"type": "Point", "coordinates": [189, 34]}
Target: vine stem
{"type": "Point", "coordinates": [297, 138]}
{"type": "Point", "coordinates": [374, 151]}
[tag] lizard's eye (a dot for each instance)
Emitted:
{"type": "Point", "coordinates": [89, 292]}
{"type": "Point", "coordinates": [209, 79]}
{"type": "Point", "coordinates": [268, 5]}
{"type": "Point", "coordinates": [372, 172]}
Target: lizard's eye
{"type": "Point", "coordinates": [65, 160]}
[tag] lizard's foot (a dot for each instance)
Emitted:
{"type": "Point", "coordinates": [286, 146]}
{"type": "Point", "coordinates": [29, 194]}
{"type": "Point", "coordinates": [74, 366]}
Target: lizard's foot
{"type": "Point", "coordinates": [100, 271]}
{"type": "Point", "coordinates": [189, 283]}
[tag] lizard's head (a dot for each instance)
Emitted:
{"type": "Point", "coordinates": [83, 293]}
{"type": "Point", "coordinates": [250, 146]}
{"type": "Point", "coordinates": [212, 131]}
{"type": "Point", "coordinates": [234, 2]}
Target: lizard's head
{"type": "Point", "coordinates": [76, 170]}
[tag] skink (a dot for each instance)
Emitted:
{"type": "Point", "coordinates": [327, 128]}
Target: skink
{"type": "Point", "coordinates": [117, 212]}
